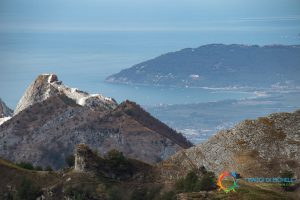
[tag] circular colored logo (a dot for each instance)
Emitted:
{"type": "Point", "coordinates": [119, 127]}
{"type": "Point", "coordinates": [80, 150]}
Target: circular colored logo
{"type": "Point", "coordinates": [224, 175]}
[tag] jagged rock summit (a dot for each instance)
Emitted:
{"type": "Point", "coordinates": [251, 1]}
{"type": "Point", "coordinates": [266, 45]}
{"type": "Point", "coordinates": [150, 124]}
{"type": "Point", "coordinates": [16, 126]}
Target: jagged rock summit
{"type": "Point", "coordinates": [5, 112]}
{"type": "Point", "coordinates": [48, 85]}
{"type": "Point", "coordinates": [52, 119]}
{"type": "Point", "coordinates": [264, 147]}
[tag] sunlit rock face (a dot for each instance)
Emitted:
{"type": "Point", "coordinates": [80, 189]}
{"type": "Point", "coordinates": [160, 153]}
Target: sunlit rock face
{"type": "Point", "coordinates": [264, 147]}
{"type": "Point", "coordinates": [48, 85]}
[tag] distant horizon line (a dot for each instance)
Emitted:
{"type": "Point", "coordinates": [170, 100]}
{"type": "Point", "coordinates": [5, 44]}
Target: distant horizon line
{"type": "Point", "coordinates": [33, 28]}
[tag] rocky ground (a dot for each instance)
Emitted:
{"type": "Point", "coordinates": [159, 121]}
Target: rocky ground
{"type": "Point", "coordinates": [254, 148]}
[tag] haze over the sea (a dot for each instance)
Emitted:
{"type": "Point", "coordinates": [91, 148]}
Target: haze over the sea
{"type": "Point", "coordinates": [83, 41]}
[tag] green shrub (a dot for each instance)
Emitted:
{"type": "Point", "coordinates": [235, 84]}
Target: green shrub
{"type": "Point", "coordinates": [28, 191]}
{"type": "Point", "coordinates": [187, 184]}
{"type": "Point", "coordinates": [38, 168]}
{"type": "Point", "coordinates": [7, 195]}
{"type": "Point", "coordinates": [76, 195]}
{"type": "Point", "coordinates": [207, 182]}
{"type": "Point", "coordinates": [49, 168]}
{"type": "Point", "coordinates": [145, 193]}
{"type": "Point", "coordinates": [70, 160]}
{"type": "Point", "coordinates": [139, 194]}
{"type": "Point", "coordinates": [118, 162]}
{"type": "Point", "coordinates": [82, 191]}
{"type": "Point", "coordinates": [115, 194]}
{"type": "Point", "coordinates": [191, 183]}
{"type": "Point", "coordinates": [286, 185]}
{"type": "Point", "coordinates": [29, 166]}
{"type": "Point", "coordinates": [25, 165]}
{"type": "Point", "coordinates": [171, 195]}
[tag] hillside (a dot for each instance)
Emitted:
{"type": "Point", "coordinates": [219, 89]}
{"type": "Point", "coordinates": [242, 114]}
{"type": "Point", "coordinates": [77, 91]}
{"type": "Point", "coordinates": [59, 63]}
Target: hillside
{"type": "Point", "coordinates": [113, 177]}
{"type": "Point", "coordinates": [264, 147]}
{"type": "Point", "coordinates": [143, 117]}
{"type": "Point", "coordinates": [47, 126]}
{"type": "Point", "coordinates": [96, 178]}
{"type": "Point", "coordinates": [218, 65]}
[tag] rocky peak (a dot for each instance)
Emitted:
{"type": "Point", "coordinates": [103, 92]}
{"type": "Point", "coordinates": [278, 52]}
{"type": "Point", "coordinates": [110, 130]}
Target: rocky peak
{"type": "Point", "coordinates": [4, 110]}
{"type": "Point", "coordinates": [47, 85]}
{"type": "Point", "coordinates": [38, 91]}
{"type": "Point", "coordinates": [52, 78]}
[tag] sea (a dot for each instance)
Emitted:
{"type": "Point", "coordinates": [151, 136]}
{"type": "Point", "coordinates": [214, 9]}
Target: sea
{"type": "Point", "coordinates": [84, 59]}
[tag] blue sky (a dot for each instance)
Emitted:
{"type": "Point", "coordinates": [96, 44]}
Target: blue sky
{"type": "Point", "coordinates": [178, 15]}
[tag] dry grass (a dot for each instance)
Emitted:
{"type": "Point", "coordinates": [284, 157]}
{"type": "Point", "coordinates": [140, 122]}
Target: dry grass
{"type": "Point", "coordinates": [265, 121]}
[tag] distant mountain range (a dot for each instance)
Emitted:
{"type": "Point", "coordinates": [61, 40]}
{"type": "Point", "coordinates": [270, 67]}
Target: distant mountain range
{"type": "Point", "coordinates": [52, 118]}
{"type": "Point", "coordinates": [218, 65]}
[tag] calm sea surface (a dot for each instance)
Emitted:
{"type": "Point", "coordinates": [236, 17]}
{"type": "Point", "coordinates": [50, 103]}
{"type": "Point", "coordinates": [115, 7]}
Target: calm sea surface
{"type": "Point", "coordinates": [84, 59]}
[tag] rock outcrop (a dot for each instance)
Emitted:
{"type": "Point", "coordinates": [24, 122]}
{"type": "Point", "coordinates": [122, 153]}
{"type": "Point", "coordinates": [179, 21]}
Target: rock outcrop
{"type": "Point", "coordinates": [48, 85]}
{"type": "Point", "coordinates": [48, 127]}
{"type": "Point", "coordinates": [264, 147]}
{"type": "Point", "coordinates": [85, 159]}
{"type": "Point", "coordinates": [5, 112]}
{"type": "Point", "coordinates": [114, 165]}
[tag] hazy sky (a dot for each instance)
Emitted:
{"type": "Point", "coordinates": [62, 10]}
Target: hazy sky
{"type": "Point", "coordinates": [179, 15]}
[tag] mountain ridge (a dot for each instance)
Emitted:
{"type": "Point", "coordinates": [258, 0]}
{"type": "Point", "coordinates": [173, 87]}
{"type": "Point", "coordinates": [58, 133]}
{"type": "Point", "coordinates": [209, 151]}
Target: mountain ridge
{"type": "Point", "coordinates": [47, 85]}
{"type": "Point", "coordinates": [46, 131]}
{"type": "Point", "coordinates": [218, 65]}
{"type": "Point", "coordinates": [264, 147]}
